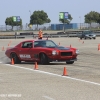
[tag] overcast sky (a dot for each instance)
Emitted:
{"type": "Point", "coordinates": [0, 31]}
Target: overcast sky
{"type": "Point", "coordinates": [77, 8]}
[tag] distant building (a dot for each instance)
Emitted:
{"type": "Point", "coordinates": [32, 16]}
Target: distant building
{"type": "Point", "coordinates": [67, 26]}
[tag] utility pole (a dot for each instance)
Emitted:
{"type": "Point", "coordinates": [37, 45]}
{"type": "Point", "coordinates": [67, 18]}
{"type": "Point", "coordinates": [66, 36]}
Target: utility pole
{"type": "Point", "coordinates": [30, 14]}
{"type": "Point", "coordinates": [64, 25]}
{"type": "Point", "coordinates": [80, 22]}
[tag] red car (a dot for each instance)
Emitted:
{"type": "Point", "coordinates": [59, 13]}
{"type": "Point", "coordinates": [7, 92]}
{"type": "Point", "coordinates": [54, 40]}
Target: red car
{"type": "Point", "coordinates": [41, 51]}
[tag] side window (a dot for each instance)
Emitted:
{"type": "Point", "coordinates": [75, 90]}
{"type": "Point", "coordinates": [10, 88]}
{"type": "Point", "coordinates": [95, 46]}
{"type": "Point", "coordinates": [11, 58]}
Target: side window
{"type": "Point", "coordinates": [27, 45]}
{"type": "Point", "coordinates": [50, 44]}
{"type": "Point", "coordinates": [37, 44]}
{"type": "Point", "coordinates": [44, 44]}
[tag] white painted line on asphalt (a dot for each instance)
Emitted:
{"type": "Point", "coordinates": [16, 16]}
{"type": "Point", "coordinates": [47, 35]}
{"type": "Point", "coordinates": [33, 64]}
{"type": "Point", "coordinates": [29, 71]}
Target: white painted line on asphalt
{"type": "Point", "coordinates": [49, 98]}
{"type": "Point", "coordinates": [94, 83]}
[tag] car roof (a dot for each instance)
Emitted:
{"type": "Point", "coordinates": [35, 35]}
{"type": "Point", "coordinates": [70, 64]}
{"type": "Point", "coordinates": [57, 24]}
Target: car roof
{"type": "Point", "coordinates": [35, 40]}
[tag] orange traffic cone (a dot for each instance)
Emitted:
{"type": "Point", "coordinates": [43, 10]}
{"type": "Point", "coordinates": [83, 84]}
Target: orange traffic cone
{"type": "Point", "coordinates": [70, 46]}
{"type": "Point", "coordinates": [65, 72]}
{"type": "Point", "coordinates": [98, 47]}
{"type": "Point", "coordinates": [3, 49]}
{"type": "Point", "coordinates": [47, 37]}
{"type": "Point", "coordinates": [59, 43]}
{"type": "Point", "coordinates": [10, 41]}
{"type": "Point", "coordinates": [8, 44]}
{"type": "Point", "coordinates": [12, 61]}
{"type": "Point", "coordinates": [36, 66]}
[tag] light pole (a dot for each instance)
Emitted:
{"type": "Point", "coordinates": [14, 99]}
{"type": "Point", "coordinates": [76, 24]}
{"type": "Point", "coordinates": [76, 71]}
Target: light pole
{"type": "Point", "coordinates": [30, 14]}
{"type": "Point", "coordinates": [30, 19]}
{"type": "Point", "coordinates": [80, 21]}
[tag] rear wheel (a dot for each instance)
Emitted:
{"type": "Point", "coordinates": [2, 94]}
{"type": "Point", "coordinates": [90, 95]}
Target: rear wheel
{"type": "Point", "coordinates": [43, 59]}
{"type": "Point", "coordinates": [15, 58]}
{"type": "Point", "coordinates": [69, 62]}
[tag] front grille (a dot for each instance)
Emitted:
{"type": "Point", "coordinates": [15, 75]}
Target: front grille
{"type": "Point", "coordinates": [66, 53]}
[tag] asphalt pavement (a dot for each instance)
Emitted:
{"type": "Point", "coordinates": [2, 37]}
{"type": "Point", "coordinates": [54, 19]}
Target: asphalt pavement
{"type": "Point", "coordinates": [23, 82]}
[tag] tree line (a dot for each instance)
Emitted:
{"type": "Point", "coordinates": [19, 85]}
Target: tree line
{"type": "Point", "coordinates": [40, 17]}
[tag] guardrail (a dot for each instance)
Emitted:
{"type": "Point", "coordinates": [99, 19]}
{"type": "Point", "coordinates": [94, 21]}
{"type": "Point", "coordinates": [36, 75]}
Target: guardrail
{"type": "Point", "coordinates": [64, 35]}
{"type": "Point", "coordinates": [11, 37]}
{"type": "Point", "coordinates": [44, 36]}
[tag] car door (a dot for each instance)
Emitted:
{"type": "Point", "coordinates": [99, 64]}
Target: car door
{"type": "Point", "coordinates": [25, 52]}
{"type": "Point", "coordinates": [36, 50]}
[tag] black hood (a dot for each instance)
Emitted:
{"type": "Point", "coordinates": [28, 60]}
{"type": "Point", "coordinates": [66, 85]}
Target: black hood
{"type": "Point", "coordinates": [62, 48]}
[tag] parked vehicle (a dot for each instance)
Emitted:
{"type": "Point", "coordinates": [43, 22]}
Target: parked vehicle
{"type": "Point", "coordinates": [87, 34]}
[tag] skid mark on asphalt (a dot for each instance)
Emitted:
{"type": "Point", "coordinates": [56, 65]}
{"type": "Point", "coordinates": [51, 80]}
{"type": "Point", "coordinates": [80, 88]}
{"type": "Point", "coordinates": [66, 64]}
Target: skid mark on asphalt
{"type": "Point", "coordinates": [43, 72]}
{"type": "Point", "coordinates": [49, 98]}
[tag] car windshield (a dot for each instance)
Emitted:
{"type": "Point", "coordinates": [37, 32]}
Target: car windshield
{"type": "Point", "coordinates": [47, 43]}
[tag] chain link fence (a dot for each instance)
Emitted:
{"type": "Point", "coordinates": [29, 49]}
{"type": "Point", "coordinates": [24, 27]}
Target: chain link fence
{"type": "Point", "coordinates": [46, 27]}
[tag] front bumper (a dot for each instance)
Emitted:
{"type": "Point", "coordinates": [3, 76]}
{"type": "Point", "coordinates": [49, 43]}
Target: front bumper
{"type": "Point", "coordinates": [90, 37]}
{"type": "Point", "coordinates": [67, 59]}
{"type": "Point", "coordinates": [75, 59]}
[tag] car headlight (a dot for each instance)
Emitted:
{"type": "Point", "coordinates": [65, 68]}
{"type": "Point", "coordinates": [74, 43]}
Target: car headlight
{"type": "Point", "coordinates": [54, 52]}
{"type": "Point", "coordinates": [94, 35]}
{"type": "Point", "coordinates": [77, 51]}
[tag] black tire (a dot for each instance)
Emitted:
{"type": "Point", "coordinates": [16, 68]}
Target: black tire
{"type": "Point", "coordinates": [15, 58]}
{"type": "Point", "coordinates": [85, 38]}
{"type": "Point", "coordinates": [70, 62]}
{"type": "Point", "coordinates": [44, 59]}
{"type": "Point", "coordinates": [94, 38]}
{"type": "Point", "coordinates": [81, 38]}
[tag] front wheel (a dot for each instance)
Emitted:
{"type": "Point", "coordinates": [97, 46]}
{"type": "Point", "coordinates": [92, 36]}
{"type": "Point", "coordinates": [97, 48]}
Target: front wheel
{"type": "Point", "coordinates": [85, 38]}
{"type": "Point", "coordinates": [43, 59]}
{"type": "Point", "coordinates": [69, 62]}
{"type": "Point", "coordinates": [81, 38]}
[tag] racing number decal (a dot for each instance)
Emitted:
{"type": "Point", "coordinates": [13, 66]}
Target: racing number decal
{"type": "Point", "coordinates": [24, 56]}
